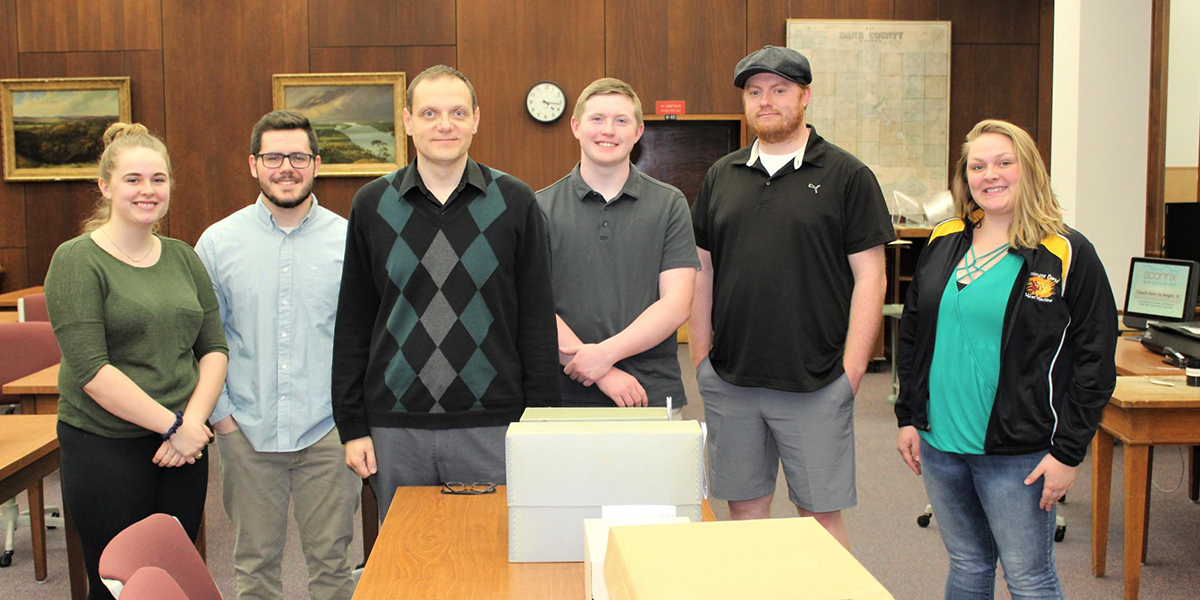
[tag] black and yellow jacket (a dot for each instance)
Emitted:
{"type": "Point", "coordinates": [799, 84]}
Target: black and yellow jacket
{"type": "Point", "coordinates": [1057, 350]}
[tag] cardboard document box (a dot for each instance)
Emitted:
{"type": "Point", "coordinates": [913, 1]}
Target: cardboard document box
{"type": "Point", "coordinates": [763, 559]}
{"type": "Point", "coordinates": [562, 472]}
{"type": "Point", "coordinates": [595, 540]}
{"type": "Point", "coordinates": [597, 413]}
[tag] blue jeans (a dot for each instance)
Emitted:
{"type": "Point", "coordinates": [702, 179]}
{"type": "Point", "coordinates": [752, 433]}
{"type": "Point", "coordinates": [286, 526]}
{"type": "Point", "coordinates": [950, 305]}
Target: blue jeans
{"type": "Point", "coordinates": [985, 511]}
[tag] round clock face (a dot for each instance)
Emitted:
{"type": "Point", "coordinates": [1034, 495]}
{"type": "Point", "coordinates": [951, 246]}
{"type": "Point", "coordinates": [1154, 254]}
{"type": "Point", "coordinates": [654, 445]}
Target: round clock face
{"type": "Point", "coordinates": [546, 101]}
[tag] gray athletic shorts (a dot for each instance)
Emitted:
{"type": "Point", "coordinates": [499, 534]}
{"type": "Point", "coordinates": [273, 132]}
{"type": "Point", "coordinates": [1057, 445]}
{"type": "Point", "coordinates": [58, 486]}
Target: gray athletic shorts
{"type": "Point", "coordinates": [406, 457]}
{"type": "Point", "coordinates": [751, 429]}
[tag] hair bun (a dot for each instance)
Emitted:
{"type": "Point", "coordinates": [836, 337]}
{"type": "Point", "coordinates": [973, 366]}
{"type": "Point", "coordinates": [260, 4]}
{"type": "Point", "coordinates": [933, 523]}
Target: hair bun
{"type": "Point", "coordinates": [118, 130]}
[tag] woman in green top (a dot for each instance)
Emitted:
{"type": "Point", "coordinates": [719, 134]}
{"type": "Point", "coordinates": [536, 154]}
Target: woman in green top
{"type": "Point", "coordinates": [1006, 359]}
{"type": "Point", "coordinates": [143, 356]}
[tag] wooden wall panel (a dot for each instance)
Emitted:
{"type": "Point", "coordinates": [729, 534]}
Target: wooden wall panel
{"type": "Point", "coordinates": [410, 59]}
{"type": "Point", "coordinates": [693, 63]}
{"type": "Point", "coordinates": [54, 212]}
{"type": "Point", "coordinates": [8, 38]}
{"type": "Point", "coordinates": [560, 41]}
{"type": "Point", "coordinates": [12, 215]}
{"type": "Point", "coordinates": [636, 51]}
{"type": "Point", "coordinates": [987, 23]}
{"type": "Point", "coordinates": [218, 66]}
{"type": "Point", "coordinates": [12, 195]}
{"type": "Point", "coordinates": [981, 90]}
{"type": "Point", "coordinates": [766, 23]}
{"type": "Point", "coordinates": [16, 271]}
{"type": "Point", "coordinates": [1045, 78]}
{"type": "Point", "coordinates": [91, 25]}
{"type": "Point", "coordinates": [704, 53]}
{"type": "Point", "coordinates": [380, 23]}
{"type": "Point", "coordinates": [916, 10]}
{"type": "Point", "coordinates": [842, 9]}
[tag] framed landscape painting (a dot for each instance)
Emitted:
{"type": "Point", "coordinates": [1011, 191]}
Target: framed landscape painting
{"type": "Point", "coordinates": [356, 117]}
{"type": "Point", "coordinates": [52, 128]}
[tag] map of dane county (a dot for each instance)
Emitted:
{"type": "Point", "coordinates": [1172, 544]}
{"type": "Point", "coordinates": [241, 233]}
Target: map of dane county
{"type": "Point", "coordinates": [881, 90]}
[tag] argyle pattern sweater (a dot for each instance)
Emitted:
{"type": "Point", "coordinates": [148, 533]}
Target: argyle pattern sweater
{"type": "Point", "coordinates": [445, 317]}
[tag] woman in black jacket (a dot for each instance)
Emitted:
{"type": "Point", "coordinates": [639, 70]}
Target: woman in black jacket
{"type": "Point", "coordinates": [1006, 359]}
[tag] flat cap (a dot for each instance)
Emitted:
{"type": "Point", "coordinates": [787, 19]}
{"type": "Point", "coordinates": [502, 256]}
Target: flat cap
{"type": "Point", "coordinates": [784, 62]}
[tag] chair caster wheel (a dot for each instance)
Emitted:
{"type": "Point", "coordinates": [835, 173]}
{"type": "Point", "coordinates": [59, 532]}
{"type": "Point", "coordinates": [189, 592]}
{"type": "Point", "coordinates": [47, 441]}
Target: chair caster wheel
{"type": "Point", "coordinates": [923, 520]}
{"type": "Point", "coordinates": [6, 558]}
{"type": "Point", "coordinates": [1060, 532]}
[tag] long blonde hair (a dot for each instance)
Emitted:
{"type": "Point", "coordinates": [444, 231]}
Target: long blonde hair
{"type": "Point", "coordinates": [1037, 213]}
{"type": "Point", "coordinates": [119, 137]}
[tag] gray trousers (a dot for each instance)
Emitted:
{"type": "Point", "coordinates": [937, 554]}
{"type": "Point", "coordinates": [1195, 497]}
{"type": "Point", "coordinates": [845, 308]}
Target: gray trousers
{"type": "Point", "coordinates": [407, 457]}
{"type": "Point", "coordinates": [325, 493]}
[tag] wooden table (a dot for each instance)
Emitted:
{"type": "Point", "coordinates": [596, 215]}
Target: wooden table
{"type": "Point", "coordinates": [8, 316]}
{"type": "Point", "coordinates": [435, 545]}
{"type": "Point", "coordinates": [1141, 415]}
{"type": "Point", "coordinates": [8, 300]}
{"type": "Point", "coordinates": [1134, 359]}
{"type": "Point", "coordinates": [38, 391]}
{"type": "Point", "coordinates": [28, 453]}
{"type": "Point", "coordinates": [39, 396]}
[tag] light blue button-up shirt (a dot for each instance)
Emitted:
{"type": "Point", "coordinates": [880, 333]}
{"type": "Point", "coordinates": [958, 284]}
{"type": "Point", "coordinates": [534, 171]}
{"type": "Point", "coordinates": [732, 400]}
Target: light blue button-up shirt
{"type": "Point", "coordinates": [278, 294]}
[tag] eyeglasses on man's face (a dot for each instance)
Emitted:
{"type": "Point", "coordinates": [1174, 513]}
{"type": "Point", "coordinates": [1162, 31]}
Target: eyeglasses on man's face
{"type": "Point", "coordinates": [472, 489]}
{"type": "Point", "coordinates": [274, 160]}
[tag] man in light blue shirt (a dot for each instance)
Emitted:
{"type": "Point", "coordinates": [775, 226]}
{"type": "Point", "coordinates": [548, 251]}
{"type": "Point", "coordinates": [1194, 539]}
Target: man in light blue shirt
{"type": "Point", "coordinates": [276, 267]}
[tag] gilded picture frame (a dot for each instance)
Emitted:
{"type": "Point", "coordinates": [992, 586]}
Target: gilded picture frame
{"type": "Point", "coordinates": [357, 118]}
{"type": "Point", "coordinates": [53, 128]}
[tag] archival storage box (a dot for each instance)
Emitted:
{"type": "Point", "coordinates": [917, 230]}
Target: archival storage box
{"type": "Point", "coordinates": [595, 413]}
{"type": "Point", "coordinates": [764, 558]}
{"type": "Point", "coordinates": [595, 539]}
{"type": "Point", "coordinates": [562, 472]}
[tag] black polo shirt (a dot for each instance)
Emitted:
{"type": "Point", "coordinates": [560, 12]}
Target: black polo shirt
{"type": "Point", "coordinates": [779, 245]}
{"type": "Point", "coordinates": [605, 259]}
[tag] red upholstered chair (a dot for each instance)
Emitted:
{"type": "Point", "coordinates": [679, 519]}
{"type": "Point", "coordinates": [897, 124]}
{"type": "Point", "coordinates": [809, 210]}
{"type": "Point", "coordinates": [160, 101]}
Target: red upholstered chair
{"type": "Point", "coordinates": [157, 541]}
{"type": "Point", "coordinates": [25, 348]}
{"type": "Point", "coordinates": [152, 583]}
{"type": "Point", "coordinates": [32, 308]}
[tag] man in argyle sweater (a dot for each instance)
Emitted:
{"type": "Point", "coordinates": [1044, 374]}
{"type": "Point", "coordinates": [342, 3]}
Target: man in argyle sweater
{"type": "Point", "coordinates": [445, 321]}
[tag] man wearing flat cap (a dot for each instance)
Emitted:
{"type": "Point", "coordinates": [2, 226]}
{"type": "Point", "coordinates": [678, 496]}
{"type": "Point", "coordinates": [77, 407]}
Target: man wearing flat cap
{"type": "Point", "coordinates": [790, 232]}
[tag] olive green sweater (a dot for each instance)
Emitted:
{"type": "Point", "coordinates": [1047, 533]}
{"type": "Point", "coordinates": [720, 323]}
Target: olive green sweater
{"type": "Point", "coordinates": [152, 323]}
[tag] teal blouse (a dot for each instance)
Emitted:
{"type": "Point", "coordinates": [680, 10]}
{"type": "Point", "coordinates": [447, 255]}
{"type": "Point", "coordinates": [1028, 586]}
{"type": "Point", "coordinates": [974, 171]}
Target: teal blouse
{"type": "Point", "coordinates": [966, 358]}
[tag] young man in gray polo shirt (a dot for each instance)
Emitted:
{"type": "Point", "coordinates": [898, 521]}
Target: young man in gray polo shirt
{"type": "Point", "coordinates": [623, 261]}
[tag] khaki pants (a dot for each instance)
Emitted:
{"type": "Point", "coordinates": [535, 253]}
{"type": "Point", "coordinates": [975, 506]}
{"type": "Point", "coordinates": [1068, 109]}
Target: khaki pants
{"type": "Point", "coordinates": [258, 487]}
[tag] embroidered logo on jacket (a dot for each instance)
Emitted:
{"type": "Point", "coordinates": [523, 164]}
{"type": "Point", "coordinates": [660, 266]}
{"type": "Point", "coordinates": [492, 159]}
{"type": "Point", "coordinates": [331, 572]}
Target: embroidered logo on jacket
{"type": "Point", "coordinates": [1041, 287]}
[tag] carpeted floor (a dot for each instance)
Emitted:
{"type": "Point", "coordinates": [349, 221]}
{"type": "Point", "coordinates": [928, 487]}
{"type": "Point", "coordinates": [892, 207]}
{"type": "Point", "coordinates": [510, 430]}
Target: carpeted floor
{"type": "Point", "coordinates": [908, 560]}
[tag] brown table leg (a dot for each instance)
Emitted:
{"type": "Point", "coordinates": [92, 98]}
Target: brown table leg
{"type": "Point", "coordinates": [37, 529]}
{"type": "Point", "coordinates": [1149, 485]}
{"type": "Point", "coordinates": [75, 570]}
{"type": "Point", "coordinates": [1137, 458]}
{"type": "Point", "coordinates": [1102, 452]}
{"type": "Point", "coordinates": [1194, 475]}
{"type": "Point", "coordinates": [370, 519]}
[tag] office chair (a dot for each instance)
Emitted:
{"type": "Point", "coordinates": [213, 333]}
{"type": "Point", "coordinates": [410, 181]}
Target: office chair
{"type": "Point", "coordinates": [152, 583]}
{"type": "Point", "coordinates": [25, 348]}
{"type": "Point", "coordinates": [157, 541]}
{"type": "Point", "coordinates": [32, 308]}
